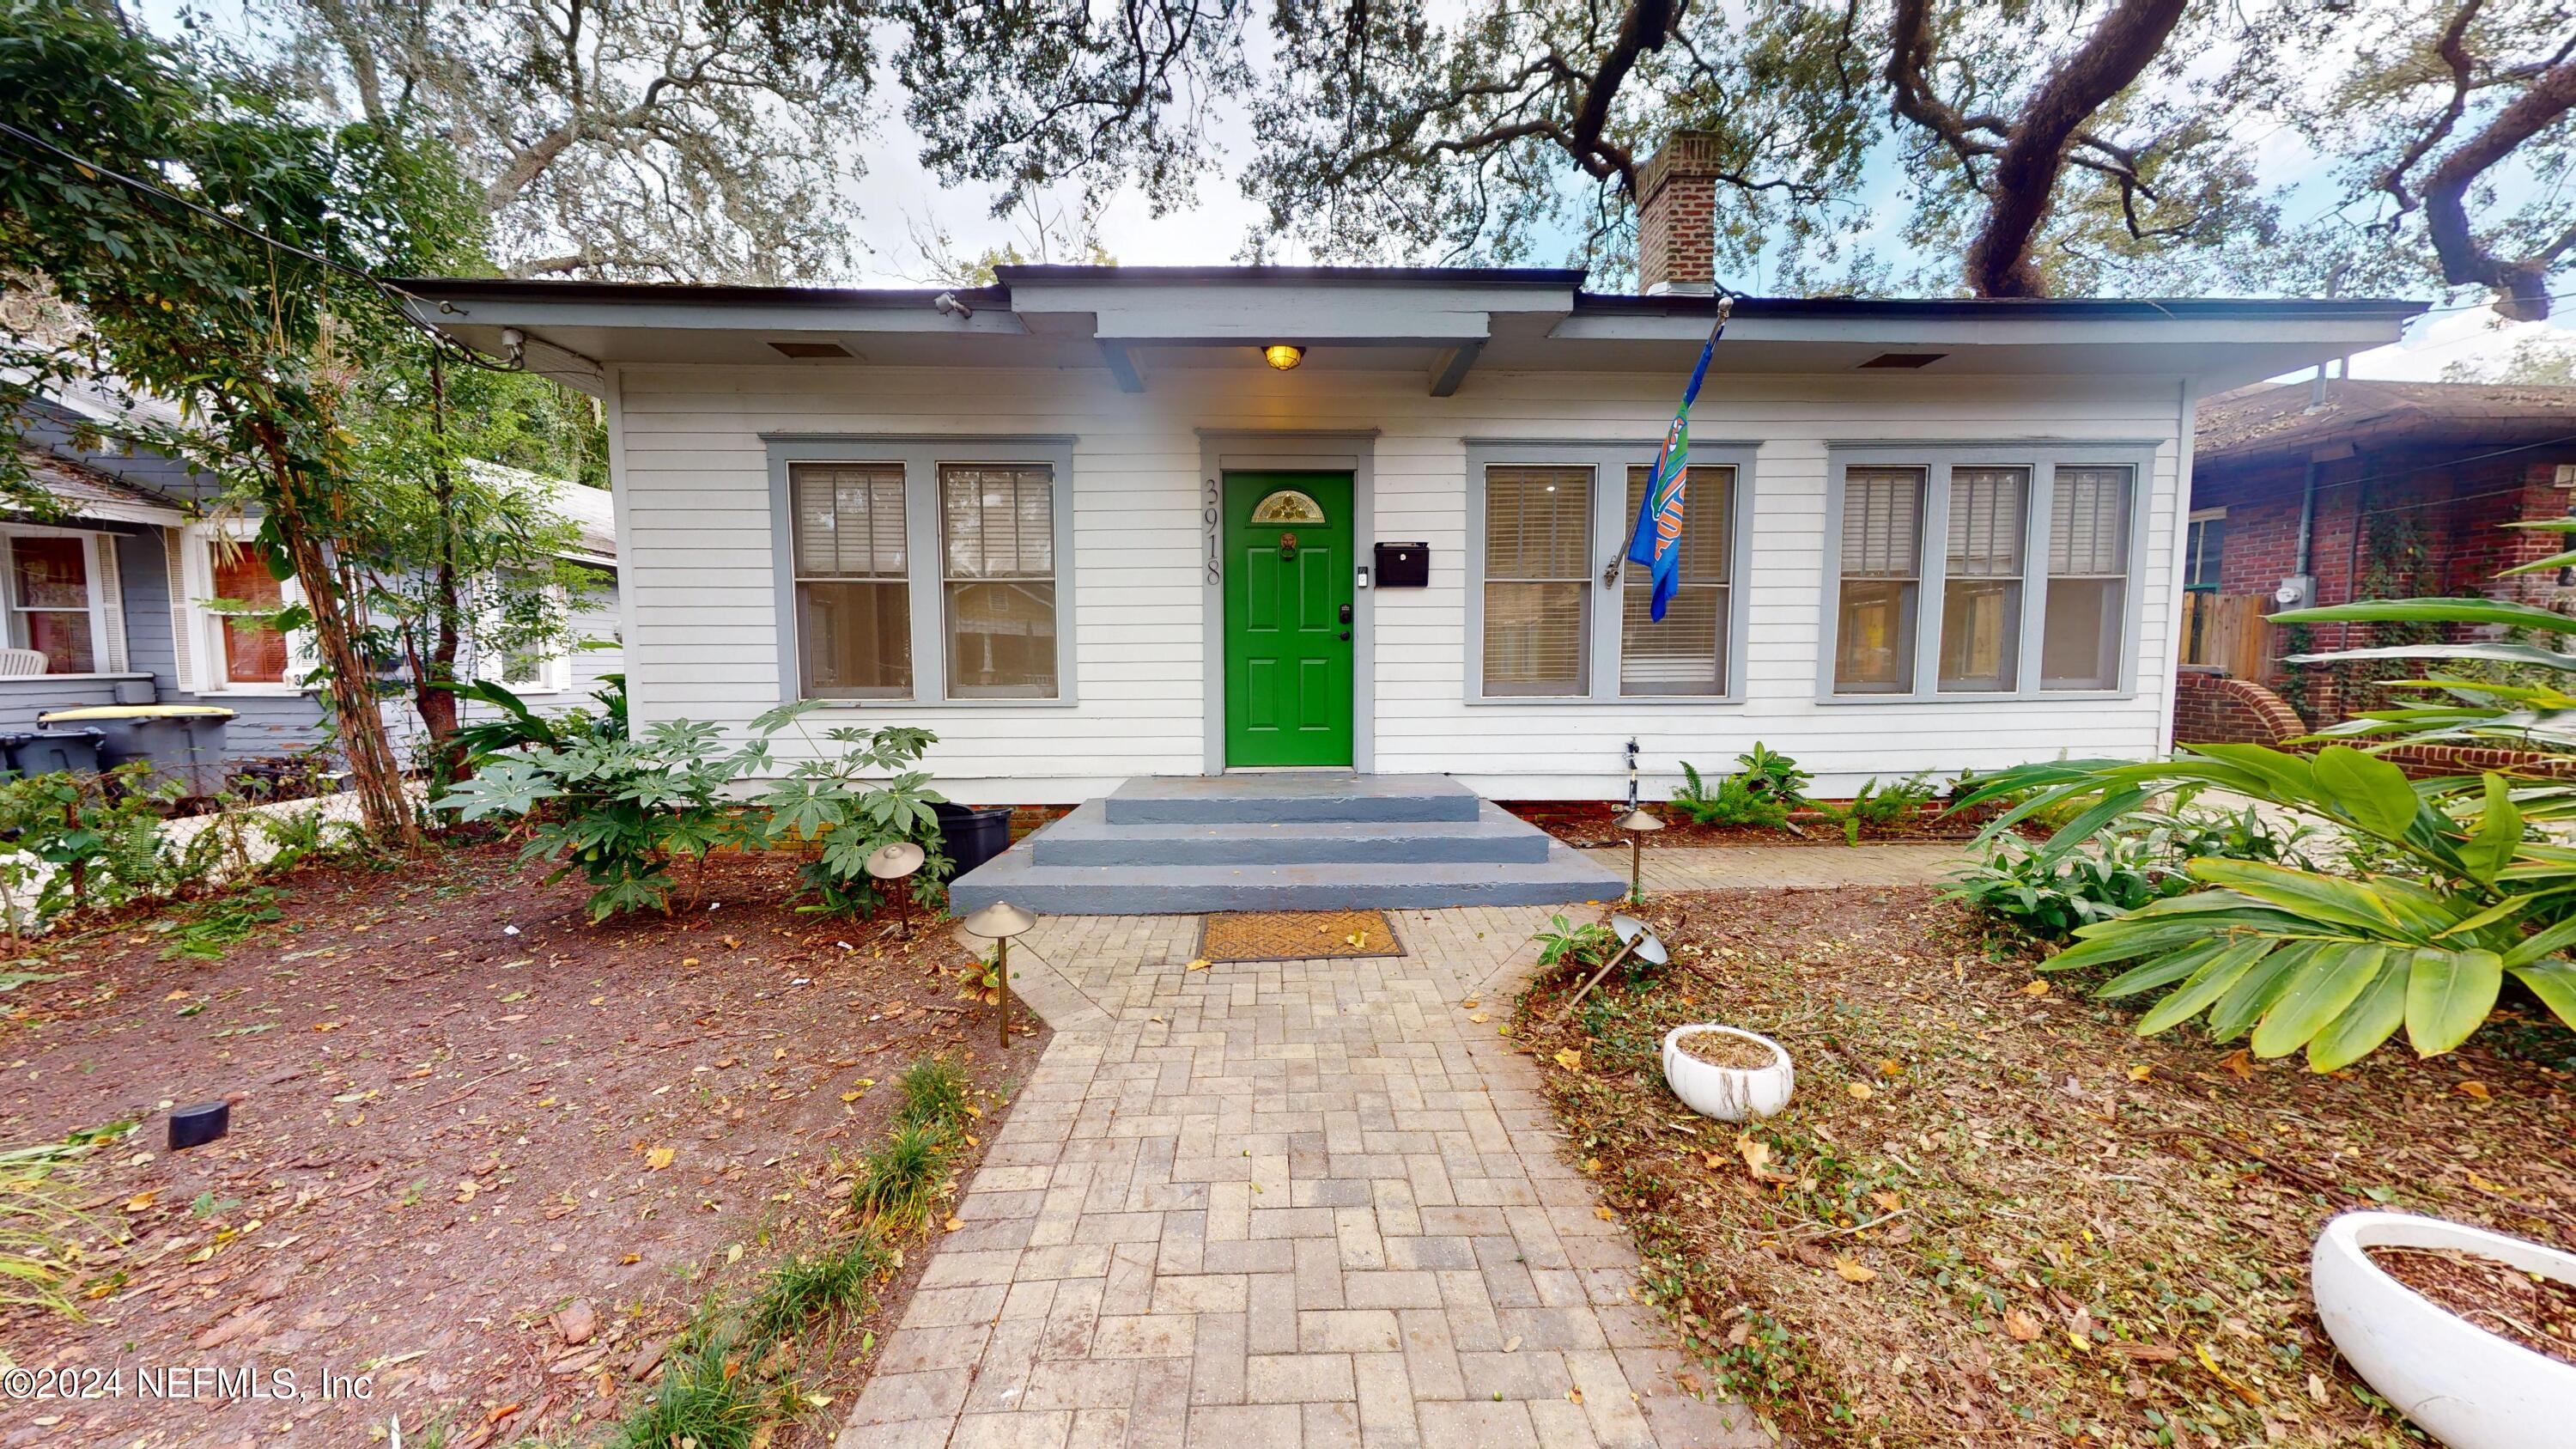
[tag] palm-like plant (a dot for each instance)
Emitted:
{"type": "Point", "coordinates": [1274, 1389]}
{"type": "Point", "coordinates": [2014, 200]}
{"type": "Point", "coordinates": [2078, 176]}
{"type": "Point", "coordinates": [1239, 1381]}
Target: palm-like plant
{"type": "Point", "coordinates": [2305, 959]}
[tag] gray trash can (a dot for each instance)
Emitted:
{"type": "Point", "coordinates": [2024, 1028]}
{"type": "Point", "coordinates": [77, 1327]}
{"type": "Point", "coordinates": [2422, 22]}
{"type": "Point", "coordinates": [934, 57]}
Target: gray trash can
{"type": "Point", "coordinates": [181, 742]}
{"type": "Point", "coordinates": [48, 752]}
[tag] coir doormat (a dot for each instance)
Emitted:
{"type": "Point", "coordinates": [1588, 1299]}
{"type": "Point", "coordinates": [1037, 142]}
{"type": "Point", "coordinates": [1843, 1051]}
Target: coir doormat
{"type": "Point", "coordinates": [1296, 936]}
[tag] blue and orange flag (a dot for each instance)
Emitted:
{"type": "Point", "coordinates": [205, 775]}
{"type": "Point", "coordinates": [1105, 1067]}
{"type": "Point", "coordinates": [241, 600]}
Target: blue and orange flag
{"type": "Point", "coordinates": [1657, 540]}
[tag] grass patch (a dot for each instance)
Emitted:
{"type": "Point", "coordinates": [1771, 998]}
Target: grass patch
{"type": "Point", "coordinates": [805, 1288]}
{"type": "Point", "coordinates": [937, 1095]}
{"type": "Point", "coordinates": [900, 1180]}
{"type": "Point", "coordinates": [710, 1397]}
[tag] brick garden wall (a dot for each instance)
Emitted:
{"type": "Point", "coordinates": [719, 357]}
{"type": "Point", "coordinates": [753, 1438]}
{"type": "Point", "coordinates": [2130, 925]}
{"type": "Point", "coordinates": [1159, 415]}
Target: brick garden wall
{"type": "Point", "coordinates": [2213, 709]}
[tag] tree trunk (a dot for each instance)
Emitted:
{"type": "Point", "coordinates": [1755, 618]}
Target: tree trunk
{"type": "Point", "coordinates": [437, 702]}
{"type": "Point", "coordinates": [2023, 188]}
{"type": "Point", "coordinates": [374, 774]}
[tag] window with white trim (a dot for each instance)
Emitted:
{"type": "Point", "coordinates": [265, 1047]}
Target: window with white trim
{"type": "Point", "coordinates": [540, 667]}
{"type": "Point", "coordinates": [60, 602]}
{"type": "Point", "coordinates": [1685, 653]}
{"type": "Point", "coordinates": [925, 569]}
{"type": "Point", "coordinates": [2204, 545]}
{"type": "Point", "coordinates": [230, 650]}
{"type": "Point", "coordinates": [1538, 579]}
{"type": "Point", "coordinates": [2027, 591]}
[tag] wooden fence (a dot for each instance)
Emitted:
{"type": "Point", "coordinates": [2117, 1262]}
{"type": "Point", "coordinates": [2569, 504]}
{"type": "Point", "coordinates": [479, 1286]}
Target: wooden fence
{"type": "Point", "coordinates": [2228, 632]}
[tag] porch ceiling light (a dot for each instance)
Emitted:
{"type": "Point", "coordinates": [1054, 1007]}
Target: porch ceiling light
{"type": "Point", "coordinates": [1283, 355]}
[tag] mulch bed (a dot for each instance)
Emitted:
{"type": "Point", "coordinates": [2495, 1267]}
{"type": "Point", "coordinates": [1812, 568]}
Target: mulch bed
{"type": "Point", "coordinates": [1586, 824]}
{"type": "Point", "coordinates": [2537, 1312]}
{"type": "Point", "coordinates": [1991, 1213]}
{"type": "Point", "coordinates": [465, 1120]}
{"type": "Point", "coordinates": [1296, 936]}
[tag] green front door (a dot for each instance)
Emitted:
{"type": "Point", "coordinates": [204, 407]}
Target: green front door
{"type": "Point", "coordinates": [1288, 605]}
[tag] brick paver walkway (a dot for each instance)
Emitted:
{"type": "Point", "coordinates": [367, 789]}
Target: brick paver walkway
{"type": "Point", "coordinates": [1720, 867]}
{"type": "Point", "coordinates": [1280, 1205]}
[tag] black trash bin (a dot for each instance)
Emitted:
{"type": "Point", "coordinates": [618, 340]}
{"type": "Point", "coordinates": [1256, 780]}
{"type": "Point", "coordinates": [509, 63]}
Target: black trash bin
{"type": "Point", "coordinates": [47, 752]}
{"type": "Point", "coordinates": [972, 834]}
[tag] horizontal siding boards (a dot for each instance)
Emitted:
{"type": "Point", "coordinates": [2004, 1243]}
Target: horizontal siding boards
{"type": "Point", "coordinates": [698, 544]}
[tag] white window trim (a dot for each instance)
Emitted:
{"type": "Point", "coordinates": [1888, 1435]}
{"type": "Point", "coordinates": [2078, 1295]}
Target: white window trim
{"type": "Point", "coordinates": [2183, 556]}
{"type": "Point", "coordinates": [1937, 460]}
{"type": "Point", "coordinates": [554, 671]}
{"type": "Point", "coordinates": [106, 612]}
{"type": "Point", "coordinates": [1608, 460]}
{"type": "Point", "coordinates": [208, 650]}
{"type": "Point", "coordinates": [925, 553]}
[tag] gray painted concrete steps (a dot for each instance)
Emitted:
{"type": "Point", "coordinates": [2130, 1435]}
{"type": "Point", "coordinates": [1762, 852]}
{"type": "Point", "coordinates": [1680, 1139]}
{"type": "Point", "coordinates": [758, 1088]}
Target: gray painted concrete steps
{"type": "Point", "coordinates": [1163, 845]}
{"type": "Point", "coordinates": [1089, 837]}
{"type": "Point", "coordinates": [1263, 799]}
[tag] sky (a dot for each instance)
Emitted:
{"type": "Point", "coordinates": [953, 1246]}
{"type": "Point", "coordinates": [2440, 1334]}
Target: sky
{"type": "Point", "coordinates": [900, 202]}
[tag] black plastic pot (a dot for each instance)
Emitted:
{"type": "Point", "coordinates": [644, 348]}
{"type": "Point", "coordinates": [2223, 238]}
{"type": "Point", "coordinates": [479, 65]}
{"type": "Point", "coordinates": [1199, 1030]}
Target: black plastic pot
{"type": "Point", "coordinates": [972, 834]}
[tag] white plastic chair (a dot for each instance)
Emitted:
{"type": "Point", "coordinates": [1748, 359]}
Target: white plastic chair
{"type": "Point", "coordinates": [21, 663]}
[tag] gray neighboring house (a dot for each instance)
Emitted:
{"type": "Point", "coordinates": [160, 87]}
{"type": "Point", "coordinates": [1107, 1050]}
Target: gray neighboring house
{"type": "Point", "coordinates": [104, 604]}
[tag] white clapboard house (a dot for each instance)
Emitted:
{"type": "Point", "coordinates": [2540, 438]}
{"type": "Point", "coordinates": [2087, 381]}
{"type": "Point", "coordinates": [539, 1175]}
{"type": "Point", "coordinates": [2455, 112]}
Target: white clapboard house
{"type": "Point", "coordinates": [1151, 534]}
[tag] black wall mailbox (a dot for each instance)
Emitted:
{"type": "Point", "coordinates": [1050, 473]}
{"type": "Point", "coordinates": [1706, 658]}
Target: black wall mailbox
{"type": "Point", "coordinates": [1404, 565]}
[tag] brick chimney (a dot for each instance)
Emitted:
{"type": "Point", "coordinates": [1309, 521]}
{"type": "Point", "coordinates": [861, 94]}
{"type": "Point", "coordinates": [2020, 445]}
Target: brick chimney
{"type": "Point", "coordinates": [1676, 216]}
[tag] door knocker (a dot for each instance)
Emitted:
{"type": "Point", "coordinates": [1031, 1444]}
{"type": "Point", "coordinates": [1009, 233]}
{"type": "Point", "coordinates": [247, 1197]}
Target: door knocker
{"type": "Point", "coordinates": [1287, 545]}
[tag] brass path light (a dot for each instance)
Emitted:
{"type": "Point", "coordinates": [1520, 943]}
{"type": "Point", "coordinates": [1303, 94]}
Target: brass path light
{"type": "Point", "coordinates": [893, 863]}
{"type": "Point", "coordinates": [1637, 822]}
{"type": "Point", "coordinates": [998, 923]}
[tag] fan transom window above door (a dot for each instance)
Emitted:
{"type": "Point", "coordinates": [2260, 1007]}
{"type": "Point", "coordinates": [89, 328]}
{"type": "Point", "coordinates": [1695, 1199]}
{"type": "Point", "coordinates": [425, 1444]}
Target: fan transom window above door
{"type": "Point", "coordinates": [1288, 505]}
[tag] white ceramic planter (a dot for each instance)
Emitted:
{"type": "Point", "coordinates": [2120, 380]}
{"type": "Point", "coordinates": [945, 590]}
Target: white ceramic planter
{"type": "Point", "coordinates": [2461, 1384]}
{"type": "Point", "coordinates": [1729, 1094]}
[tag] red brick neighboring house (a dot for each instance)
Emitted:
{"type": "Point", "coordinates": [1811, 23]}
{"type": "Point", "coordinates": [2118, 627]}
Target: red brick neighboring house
{"type": "Point", "coordinates": [2398, 489]}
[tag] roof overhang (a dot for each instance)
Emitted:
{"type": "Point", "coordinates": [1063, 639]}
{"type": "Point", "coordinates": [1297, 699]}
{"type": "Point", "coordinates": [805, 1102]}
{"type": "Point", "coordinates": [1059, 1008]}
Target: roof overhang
{"type": "Point", "coordinates": [1432, 321]}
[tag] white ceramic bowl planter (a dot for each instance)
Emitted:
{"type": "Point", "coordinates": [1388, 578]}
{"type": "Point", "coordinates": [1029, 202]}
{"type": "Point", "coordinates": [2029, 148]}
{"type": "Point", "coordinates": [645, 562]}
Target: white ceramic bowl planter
{"type": "Point", "coordinates": [1729, 1094]}
{"type": "Point", "coordinates": [2461, 1384]}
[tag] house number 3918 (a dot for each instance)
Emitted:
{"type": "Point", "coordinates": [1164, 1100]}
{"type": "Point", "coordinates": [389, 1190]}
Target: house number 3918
{"type": "Point", "coordinates": [1212, 514]}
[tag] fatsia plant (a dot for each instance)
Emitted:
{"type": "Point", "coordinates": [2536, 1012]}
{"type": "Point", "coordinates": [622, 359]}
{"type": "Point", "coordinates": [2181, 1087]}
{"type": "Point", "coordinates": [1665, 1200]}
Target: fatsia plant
{"type": "Point", "coordinates": [2305, 959]}
{"type": "Point", "coordinates": [849, 804]}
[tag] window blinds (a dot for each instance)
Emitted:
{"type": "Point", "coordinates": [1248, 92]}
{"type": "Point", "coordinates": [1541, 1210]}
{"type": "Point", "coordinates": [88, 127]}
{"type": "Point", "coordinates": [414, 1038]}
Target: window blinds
{"type": "Point", "coordinates": [849, 520]}
{"type": "Point", "coordinates": [2088, 524]}
{"type": "Point", "coordinates": [1882, 523]}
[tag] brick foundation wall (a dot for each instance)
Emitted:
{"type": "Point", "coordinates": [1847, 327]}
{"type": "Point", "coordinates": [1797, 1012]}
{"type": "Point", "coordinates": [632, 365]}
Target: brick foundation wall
{"type": "Point", "coordinates": [2212, 709]}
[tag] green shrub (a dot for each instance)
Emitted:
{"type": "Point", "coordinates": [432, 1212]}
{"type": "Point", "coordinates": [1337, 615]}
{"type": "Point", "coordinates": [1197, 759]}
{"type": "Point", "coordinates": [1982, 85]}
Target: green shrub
{"type": "Point", "coordinates": [805, 1288]}
{"type": "Point", "coordinates": [2306, 959]}
{"type": "Point", "coordinates": [937, 1095]}
{"type": "Point", "coordinates": [100, 833]}
{"type": "Point", "coordinates": [710, 1397]}
{"type": "Point", "coordinates": [1768, 772]}
{"type": "Point", "coordinates": [1737, 801]}
{"type": "Point", "coordinates": [900, 1180]}
{"type": "Point", "coordinates": [2049, 894]}
{"type": "Point", "coordinates": [1564, 943]}
{"type": "Point", "coordinates": [625, 811]}
{"type": "Point", "coordinates": [1877, 808]}
{"type": "Point", "coordinates": [850, 804]}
